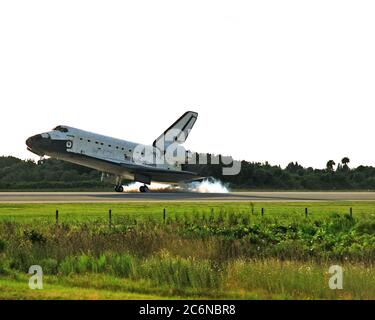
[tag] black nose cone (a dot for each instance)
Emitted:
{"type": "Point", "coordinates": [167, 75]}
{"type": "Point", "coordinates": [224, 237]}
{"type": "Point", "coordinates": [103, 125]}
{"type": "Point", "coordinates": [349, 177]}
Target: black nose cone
{"type": "Point", "coordinates": [36, 144]}
{"type": "Point", "coordinates": [34, 141]}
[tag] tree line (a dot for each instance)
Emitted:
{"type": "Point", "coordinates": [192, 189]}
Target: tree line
{"type": "Point", "coordinates": [17, 174]}
{"type": "Point", "coordinates": [256, 175]}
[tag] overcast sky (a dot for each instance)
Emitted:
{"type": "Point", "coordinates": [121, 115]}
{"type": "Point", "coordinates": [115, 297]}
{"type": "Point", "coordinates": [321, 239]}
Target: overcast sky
{"type": "Point", "coordinates": [271, 80]}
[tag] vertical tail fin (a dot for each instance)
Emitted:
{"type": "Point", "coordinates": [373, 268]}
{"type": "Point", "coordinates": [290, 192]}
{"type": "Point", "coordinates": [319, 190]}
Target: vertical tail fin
{"type": "Point", "coordinates": [177, 132]}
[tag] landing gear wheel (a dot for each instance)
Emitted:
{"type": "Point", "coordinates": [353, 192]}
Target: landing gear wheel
{"type": "Point", "coordinates": [119, 189]}
{"type": "Point", "coordinates": [143, 188]}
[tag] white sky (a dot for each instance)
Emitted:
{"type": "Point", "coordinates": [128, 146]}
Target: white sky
{"type": "Point", "coordinates": [271, 80]}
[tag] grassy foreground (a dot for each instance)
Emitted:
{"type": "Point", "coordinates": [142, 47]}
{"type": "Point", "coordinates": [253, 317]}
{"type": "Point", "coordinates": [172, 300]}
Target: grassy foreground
{"type": "Point", "coordinates": [268, 279]}
{"type": "Point", "coordinates": [199, 250]}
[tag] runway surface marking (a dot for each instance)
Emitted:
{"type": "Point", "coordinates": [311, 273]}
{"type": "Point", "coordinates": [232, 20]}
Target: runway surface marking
{"type": "Point", "coordinates": [68, 197]}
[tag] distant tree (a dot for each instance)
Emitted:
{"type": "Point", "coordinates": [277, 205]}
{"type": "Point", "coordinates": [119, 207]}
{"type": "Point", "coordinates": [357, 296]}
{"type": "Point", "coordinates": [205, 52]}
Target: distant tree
{"type": "Point", "coordinates": [9, 161]}
{"type": "Point", "coordinates": [294, 168]}
{"type": "Point", "coordinates": [345, 162]}
{"type": "Point", "coordinates": [330, 164]}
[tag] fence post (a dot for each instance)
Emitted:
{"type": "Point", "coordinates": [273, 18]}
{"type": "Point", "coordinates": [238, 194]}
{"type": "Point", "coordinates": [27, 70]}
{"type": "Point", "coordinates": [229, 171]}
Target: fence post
{"type": "Point", "coordinates": [252, 208]}
{"type": "Point", "coordinates": [110, 218]}
{"type": "Point", "coordinates": [306, 212]}
{"type": "Point", "coordinates": [164, 215]}
{"type": "Point", "coordinates": [57, 217]}
{"type": "Point", "coordinates": [351, 212]}
{"type": "Point", "coordinates": [262, 212]}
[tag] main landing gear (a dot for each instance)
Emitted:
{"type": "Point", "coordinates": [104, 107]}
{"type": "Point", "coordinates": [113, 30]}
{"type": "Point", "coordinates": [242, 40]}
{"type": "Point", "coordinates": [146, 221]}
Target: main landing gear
{"type": "Point", "coordinates": [143, 188]}
{"type": "Point", "coordinates": [119, 188]}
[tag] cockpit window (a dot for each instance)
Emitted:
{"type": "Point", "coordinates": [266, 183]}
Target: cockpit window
{"type": "Point", "coordinates": [61, 129]}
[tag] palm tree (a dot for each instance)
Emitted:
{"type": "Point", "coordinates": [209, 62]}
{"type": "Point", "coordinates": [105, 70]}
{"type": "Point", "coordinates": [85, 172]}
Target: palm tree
{"type": "Point", "coordinates": [345, 162]}
{"type": "Point", "coordinates": [330, 164]}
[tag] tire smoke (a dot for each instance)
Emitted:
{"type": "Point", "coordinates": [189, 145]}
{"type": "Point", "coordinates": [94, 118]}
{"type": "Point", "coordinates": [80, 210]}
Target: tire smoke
{"type": "Point", "coordinates": [208, 186]}
{"type": "Point", "coordinates": [134, 187]}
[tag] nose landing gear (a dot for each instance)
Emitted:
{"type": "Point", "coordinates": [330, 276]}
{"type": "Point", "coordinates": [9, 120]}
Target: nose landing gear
{"type": "Point", "coordinates": [144, 189]}
{"type": "Point", "coordinates": [41, 160]}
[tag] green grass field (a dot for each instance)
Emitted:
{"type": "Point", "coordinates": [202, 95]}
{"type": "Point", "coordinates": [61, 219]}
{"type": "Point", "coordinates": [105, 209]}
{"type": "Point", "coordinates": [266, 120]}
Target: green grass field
{"type": "Point", "coordinates": [82, 212]}
{"type": "Point", "coordinates": [195, 251]}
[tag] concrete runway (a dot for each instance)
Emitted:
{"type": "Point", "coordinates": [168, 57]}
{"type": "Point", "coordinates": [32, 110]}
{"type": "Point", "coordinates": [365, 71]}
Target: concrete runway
{"type": "Point", "coordinates": [61, 197]}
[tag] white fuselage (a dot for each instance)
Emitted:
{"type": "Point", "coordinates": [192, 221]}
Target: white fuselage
{"type": "Point", "coordinates": [120, 157]}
